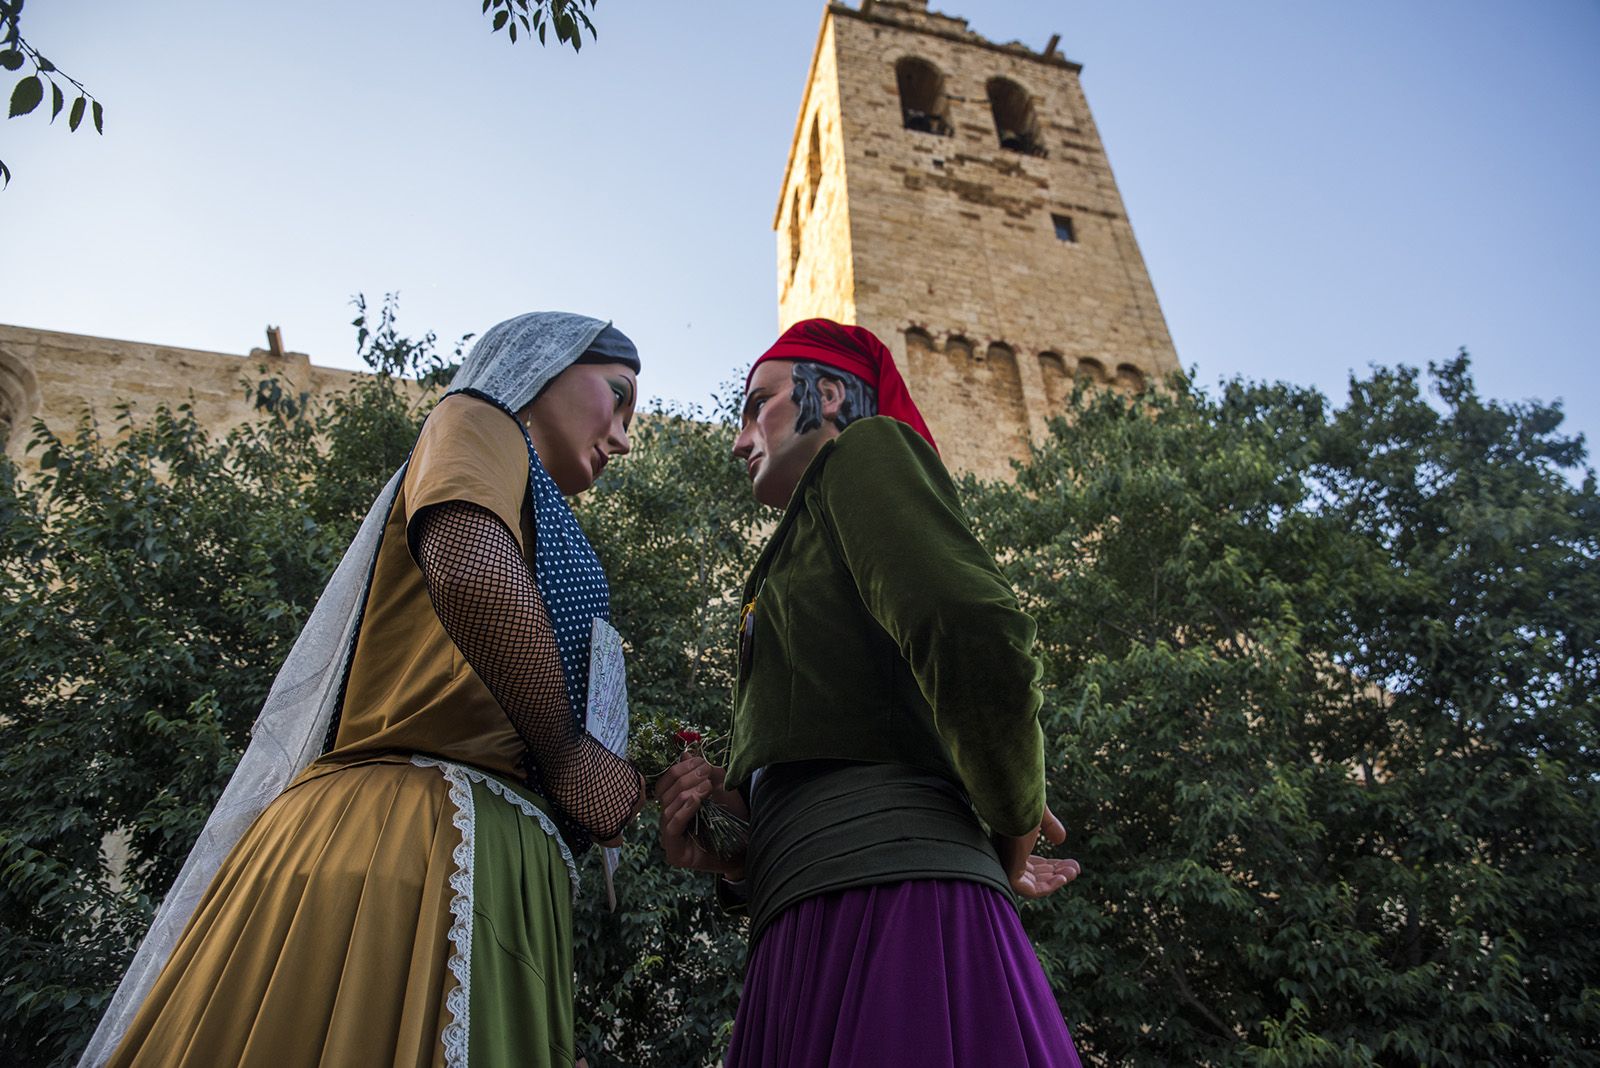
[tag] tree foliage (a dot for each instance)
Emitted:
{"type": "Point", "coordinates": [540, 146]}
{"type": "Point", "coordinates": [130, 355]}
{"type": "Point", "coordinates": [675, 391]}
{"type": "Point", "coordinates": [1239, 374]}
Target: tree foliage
{"type": "Point", "coordinates": [677, 529]}
{"type": "Point", "coordinates": [1320, 704]}
{"type": "Point", "coordinates": [1322, 697]}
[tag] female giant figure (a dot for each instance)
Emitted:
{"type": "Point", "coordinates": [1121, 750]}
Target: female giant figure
{"type": "Point", "coordinates": [387, 879]}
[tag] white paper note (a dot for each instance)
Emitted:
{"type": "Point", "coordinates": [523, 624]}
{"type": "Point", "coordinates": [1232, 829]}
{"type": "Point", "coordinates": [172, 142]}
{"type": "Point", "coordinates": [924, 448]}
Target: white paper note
{"type": "Point", "coordinates": [608, 715]}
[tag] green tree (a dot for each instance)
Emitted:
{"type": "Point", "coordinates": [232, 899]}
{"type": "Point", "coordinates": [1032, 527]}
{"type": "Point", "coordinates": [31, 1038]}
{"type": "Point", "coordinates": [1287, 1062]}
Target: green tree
{"type": "Point", "coordinates": [677, 529]}
{"type": "Point", "coordinates": [1321, 701]}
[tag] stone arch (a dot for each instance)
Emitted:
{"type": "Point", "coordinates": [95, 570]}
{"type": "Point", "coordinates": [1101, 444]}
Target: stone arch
{"type": "Point", "coordinates": [1091, 369]}
{"type": "Point", "coordinates": [958, 391]}
{"type": "Point", "coordinates": [1000, 350]}
{"type": "Point", "coordinates": [1130, 378]}
{"type": "Point", "coordinates": [924, 107]}
{"type": "Point", "coordinates": [1015, 122]}
{"type": "Point", "coordinates": [19, 395]}
{"type": "Point", "coordinates": [1057, 383]}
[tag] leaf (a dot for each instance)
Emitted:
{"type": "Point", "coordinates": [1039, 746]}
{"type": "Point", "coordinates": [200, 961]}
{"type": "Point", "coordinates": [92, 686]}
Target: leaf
{"type": "Point", "coordinates": [99, 118]}
{"type": "Point", "coordinates": [5, 174]}
{"type": "Point", "coordinates": [500, 19]}
{"type": "Point", "coordinates": [57, 101]}
{"type": "Point", "coordinates": [75, 116]}
{"type": "Point", "coordinates": [45, 65]}
{"type": "Point", "coordinates": [485, 7]}
{"type": "Point", "coordinates": [10, 59]}
{"type": "Point", "coordinates": [513, 29]}
{"type": "Point", "coordinates": [26, 96]}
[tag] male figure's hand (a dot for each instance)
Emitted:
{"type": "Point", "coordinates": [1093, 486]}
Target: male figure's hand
{"type": "Point", "coordinates": [1031, 875]}
{"type": "Point", "coordinates": [682, 789]}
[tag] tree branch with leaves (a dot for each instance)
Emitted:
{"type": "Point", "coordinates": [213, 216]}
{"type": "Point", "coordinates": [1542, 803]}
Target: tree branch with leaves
{"type": "Point", "coordinates": [26, 96]}
{"type": "Point", "coordinates": [567, 19]}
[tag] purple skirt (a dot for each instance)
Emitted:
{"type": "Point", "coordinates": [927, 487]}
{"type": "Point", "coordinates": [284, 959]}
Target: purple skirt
{"type": "Point", "coordinates": [931, 973]}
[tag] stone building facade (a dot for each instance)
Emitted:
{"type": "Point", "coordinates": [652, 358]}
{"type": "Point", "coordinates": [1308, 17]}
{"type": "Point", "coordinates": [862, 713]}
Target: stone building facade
{"type": "Point", "coordinates": [952, 195]}
{"type": "Point", "coordinates": [56, 377]}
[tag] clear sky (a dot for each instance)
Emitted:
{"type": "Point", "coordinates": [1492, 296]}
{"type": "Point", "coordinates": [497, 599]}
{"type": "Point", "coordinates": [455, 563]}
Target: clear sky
{"type": "Point", "coordinates": [1315, 187]}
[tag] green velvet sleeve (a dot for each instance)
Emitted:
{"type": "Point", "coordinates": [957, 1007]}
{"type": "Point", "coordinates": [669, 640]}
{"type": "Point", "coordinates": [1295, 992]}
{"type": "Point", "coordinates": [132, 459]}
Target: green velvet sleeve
{"type": "Point", "coordinates": [898, 523]}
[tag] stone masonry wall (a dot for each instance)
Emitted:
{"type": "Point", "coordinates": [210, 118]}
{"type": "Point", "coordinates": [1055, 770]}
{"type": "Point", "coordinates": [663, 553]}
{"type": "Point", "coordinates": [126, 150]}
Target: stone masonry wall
{"type": "Point", "coordinates": [815, 268]}
{"type": "Point", "coordinates": [57, 376]}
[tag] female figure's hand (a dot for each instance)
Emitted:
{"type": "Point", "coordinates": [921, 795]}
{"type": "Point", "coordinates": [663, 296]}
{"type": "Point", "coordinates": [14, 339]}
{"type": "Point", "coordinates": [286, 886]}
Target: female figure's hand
{"type": "Point", "coordinates": [682, 789]}
{"type": "Point", "coordinates": [1031, 875]}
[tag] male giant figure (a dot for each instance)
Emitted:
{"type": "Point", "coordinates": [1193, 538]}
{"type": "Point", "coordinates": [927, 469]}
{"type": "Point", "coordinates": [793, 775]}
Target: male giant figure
{"type": "Point", "coordinates": [886, 709]}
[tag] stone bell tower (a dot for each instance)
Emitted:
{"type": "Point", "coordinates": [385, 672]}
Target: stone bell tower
{"type": "Point", "coordinates": [951, 194]}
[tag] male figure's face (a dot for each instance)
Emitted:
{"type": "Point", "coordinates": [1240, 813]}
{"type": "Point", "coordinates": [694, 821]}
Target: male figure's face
{"type": "Point", "coordinates": [774, 453]}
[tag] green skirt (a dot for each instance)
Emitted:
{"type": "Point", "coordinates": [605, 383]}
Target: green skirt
{"type": "Point", "coordinates": [511, 928]}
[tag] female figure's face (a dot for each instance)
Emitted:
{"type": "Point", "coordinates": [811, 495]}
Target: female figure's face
{"type": "Point", "coordinates": [581, 420]}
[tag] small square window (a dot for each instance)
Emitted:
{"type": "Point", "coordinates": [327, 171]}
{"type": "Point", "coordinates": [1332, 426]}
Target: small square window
{"type": "Point", "coordinates": [1063, 228]}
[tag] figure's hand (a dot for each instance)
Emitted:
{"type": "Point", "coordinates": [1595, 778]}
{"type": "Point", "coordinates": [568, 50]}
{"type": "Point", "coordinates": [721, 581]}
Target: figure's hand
{"type": "Point", "coordinates": [682, 789]}
{"type": "Point", "coordinates": [1031, 875]}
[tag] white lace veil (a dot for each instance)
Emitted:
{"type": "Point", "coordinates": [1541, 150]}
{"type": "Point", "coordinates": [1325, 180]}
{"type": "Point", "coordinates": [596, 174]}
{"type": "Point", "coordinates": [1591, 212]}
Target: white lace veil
{"type": "Point", "coordinates": [510, 363]}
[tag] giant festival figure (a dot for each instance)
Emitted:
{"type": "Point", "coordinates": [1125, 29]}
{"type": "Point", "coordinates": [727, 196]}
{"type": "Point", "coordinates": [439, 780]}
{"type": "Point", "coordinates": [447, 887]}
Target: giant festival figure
{"type": "Point", "coordinates": [886, 702]}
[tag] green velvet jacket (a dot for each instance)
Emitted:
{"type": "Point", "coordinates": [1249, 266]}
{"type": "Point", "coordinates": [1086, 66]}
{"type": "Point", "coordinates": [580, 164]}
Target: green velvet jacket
{"type": "Point", "coordinates": [883, 631]}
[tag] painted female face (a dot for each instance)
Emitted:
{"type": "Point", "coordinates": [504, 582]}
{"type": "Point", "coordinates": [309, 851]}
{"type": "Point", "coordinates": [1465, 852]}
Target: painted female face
{"type": "Point", "coordinates": [581, 420]}
{"type": "Point", "coordinates": [775, 454]}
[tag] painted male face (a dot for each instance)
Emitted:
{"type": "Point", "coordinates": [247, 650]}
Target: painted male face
{"type": "Point", "coordinates": [580, 421]}
{"type": "Point", "coordinates": [775, 455]}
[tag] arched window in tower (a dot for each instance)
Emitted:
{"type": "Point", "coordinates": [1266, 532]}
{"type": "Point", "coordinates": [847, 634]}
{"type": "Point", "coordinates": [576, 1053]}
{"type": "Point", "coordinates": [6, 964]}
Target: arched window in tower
{"type": "Point", "coordinates": [923, 105]}
{"type": "Point", "coordinates": [814, 162]}
{"type": "Point", "coordinates": [794, 234]}
{"type": "Point", "coordinates": [1014, 120]}
{"type": "Point", "coordinates": [1091, 369]}
{"type": "Point", "coordinates": [1057, 383]}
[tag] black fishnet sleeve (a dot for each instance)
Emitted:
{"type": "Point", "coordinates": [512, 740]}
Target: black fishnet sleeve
{"type": "Point", "coordinates": [489, 604]}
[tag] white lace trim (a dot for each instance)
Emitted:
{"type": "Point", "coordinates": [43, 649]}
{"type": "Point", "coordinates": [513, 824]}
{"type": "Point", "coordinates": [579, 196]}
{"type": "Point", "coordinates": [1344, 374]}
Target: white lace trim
{"type": "Point", "coordinates": [458, 1002]}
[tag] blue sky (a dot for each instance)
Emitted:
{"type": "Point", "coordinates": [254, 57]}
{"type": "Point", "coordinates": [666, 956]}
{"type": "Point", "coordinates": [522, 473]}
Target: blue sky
{"type": "Point", "coordinates": [1315, 187]}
